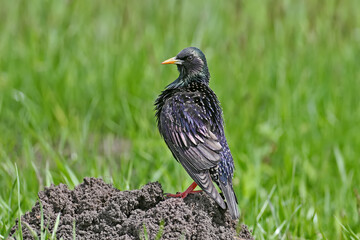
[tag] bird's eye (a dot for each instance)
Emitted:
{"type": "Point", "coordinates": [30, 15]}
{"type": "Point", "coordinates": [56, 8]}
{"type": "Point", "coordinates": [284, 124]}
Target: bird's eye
{"type": "Point", "coordinates": [190, 58]}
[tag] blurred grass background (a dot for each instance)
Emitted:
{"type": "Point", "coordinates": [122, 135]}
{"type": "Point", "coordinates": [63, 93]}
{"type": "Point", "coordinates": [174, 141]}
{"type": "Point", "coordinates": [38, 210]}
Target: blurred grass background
{"type": "Point", "coordinates": [78, 80]}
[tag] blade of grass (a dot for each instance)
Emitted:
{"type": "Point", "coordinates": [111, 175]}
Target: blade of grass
{"type": "Point", "coordinates": [161, 229]}
{"type": "Point", "coordinates": [32, 231]}
{"type": "Point", "coordinates": [146, 237]}
{"type": "Point", "coordinates": [53, 235]}
{"type": "Point", "coordinates": [19, 207]}
{"type": "Point", "coordinates": [42, 230]}
{"type": "Point", "coordinates": [74, 230]}
{"type": "Point", "coordinates": [348, 231]}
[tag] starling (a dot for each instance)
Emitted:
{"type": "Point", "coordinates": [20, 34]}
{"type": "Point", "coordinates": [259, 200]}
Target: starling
{"type": "Point", "coordinates": [189, 118]}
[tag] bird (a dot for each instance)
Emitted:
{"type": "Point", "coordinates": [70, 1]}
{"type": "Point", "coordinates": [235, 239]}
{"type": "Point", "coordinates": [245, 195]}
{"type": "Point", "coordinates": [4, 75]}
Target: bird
{"type": "Point", "coordinates": [189, 118]}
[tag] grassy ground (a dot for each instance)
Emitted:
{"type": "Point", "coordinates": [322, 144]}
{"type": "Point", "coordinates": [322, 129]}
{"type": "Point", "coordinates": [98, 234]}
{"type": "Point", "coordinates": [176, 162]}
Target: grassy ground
{"type": "Point", "coordinates": [78, 80]}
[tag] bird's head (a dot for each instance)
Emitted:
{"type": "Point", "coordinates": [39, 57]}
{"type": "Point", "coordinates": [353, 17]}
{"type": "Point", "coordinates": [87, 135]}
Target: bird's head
{"type": "Point", "coordinates": [191, 63]}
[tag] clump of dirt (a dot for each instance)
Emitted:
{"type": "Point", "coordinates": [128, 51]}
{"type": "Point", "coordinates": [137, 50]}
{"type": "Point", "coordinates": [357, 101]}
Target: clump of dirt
{"type": "Point", "coordinates": [101, 211]}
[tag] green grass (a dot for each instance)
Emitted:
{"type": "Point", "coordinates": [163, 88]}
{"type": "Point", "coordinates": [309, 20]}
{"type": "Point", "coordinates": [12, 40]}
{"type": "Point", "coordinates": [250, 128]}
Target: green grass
{"type": "Point", "coordinates": [78, 80]}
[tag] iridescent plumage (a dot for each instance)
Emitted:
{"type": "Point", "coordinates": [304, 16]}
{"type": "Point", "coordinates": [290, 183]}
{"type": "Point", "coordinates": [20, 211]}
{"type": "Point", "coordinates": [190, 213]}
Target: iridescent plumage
{"type": "Point", "coordinates": [189, 118]}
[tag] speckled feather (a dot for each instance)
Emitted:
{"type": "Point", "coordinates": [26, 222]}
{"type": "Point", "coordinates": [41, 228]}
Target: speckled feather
{"type": "Point", "coordinates": [189, 118]}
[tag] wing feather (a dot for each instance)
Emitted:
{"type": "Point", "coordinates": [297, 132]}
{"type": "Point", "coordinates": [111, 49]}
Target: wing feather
{"type": "Point", "coordinates": [188, 131]}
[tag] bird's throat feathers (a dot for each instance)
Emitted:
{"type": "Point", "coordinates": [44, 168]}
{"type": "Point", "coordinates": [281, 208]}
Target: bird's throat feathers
{"type": "Point", "coordinates": [185, 79]}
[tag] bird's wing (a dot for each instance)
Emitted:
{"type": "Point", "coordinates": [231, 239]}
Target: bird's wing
{"type": "Point", "coordinates": [186, 127]}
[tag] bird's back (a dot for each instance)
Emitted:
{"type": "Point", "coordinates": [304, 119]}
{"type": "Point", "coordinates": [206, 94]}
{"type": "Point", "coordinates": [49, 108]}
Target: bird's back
{"type": "Point", "coordinates": [191, 111]}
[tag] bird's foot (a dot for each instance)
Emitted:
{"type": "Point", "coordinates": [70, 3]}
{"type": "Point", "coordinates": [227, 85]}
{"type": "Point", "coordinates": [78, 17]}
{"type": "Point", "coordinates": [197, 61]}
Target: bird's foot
{"type": "Point", "coordinates": [181, 194]}
{"type": "Point", "coordinates": [189, 190]}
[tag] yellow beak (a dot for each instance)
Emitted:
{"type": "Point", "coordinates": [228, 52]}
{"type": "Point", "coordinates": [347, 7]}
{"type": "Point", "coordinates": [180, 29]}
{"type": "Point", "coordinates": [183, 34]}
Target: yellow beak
{"type": "Point", "coordinates": [172, 60]}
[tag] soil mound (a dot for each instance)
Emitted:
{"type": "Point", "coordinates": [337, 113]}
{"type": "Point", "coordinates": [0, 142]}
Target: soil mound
{"type": "Point", "coordinates": [101, 211]}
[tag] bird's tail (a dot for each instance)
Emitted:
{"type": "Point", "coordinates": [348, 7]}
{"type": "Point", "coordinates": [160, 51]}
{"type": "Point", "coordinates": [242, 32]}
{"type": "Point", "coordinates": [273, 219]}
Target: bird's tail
{"type": "Point", "coordinates": [231, 199]}
{"type": "Point", "coordinates": [205, 183]}
{"type": "Point", "coordinates": [203, 179]}
{"type": "Point", "coordinates": [214, 194]}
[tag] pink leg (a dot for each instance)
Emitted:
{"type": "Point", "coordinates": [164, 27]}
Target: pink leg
{"type": "Point", "coordinates": [190, 189]}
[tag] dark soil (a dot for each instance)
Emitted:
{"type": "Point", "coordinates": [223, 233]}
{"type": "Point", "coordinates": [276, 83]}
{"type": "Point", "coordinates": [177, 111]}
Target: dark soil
{"type": "Point", "coordinates": [101, 211]}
